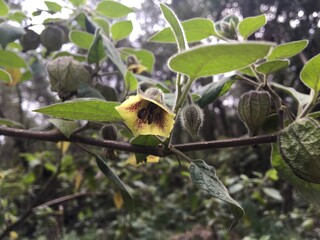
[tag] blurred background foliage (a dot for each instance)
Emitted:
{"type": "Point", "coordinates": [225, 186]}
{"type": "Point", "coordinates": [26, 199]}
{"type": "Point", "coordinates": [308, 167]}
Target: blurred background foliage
{"type": "Point", "coordinates": [168, 205]}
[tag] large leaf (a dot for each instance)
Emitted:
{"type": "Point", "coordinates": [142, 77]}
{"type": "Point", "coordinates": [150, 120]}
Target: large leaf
{"type": "Point", "coordinates": [11, 59]}
{"type": "Point", "coordinates": [9, 33]}
{"type": "Point", "coordinates": [53, 6]}
{"type": "Point", "coordinates": [121, 29]}
{"type": "Point", "coordinates": [272, 66]}
{"type": "Point", "coordinates": [309, 191]}
{"type": "Point", "coordinates": [113, 9]}
{"type": "Point", "coordinates": [4, 9]}
{"type": "Point", "coordinates": [176, 27]}
{"type": "Point", "coordinates": [81, 39]}
{"type": "Point", "coordinates": [220, 58]}
{"type": "Point", "coordinates": [145, 57]}
{"type": "Point", "coordinates": [84, 109]}
{"type": "Point", "coordinates": [287, 50]}
{"type": "Point", "coordinates": [96, 51]}
{"type": "Point", "coordinates": [195, 29]}
{"type": "Point", "coordinates": [144, 140]}
{"type": "Point", "coordinates": [250, 25]}
{"type": "Point", "coordinates": [204, 176]}
{"type": "Point", "coordinates": [107, 171]}
{"type": "Point", "coordinates": [310, 73]}
{"type": "Point", "coordinates": [5, 76]}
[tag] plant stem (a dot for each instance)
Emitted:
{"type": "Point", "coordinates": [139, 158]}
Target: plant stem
{"type": "Point", "coordinates": [310, 105]}
{"type": "Point", "coordinates": [183, 96]}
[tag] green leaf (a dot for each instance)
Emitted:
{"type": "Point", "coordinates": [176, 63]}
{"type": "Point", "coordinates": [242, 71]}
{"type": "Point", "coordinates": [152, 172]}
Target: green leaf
{"type": "Point", "coordinates": [204, 176]}
{"type": "Point", "coordinates": [81, 39]}
{"type": "Point", "coordinates": [17, 16]}
{"type": "Point", "coordinates": [272, 66]}
{"type": "Point", "coordinates": [78, 3]}
{"type": "Point", "coordinates": [310, 73]}
{"type": "Point", "coordinates": [103, 24]}
{"type": "Point", "coordinates": [287, 50]}
{"type": "Point", "coordinates": [195, 29]}
{"type": "Point", "coordinates": [107, 171]}
{"type": "Point", "coordinates": [301, 98]}
{"type": "Point", "coordinates": [145, 57]}
{"type": "Point", "coordinates": [9, 33]}
{"type": "Point", "coordinates": [250, 25]}
{"type": "Point", "coordinates": [299, 147]}
{"type": "Point", "coordinates": [5, 76]}
{"type": "Point", "coordinates": [309, 191]}
{"type": "Point", "coordinates": [67, 127]}
{"type": "Point", "coordinates": [113, 9]}
{"type": "Point", "coordinates": [10, 123]}
{"type": "Point", "coordinates": [211, 91]}
{"type": "Point", "coordinates": [11, 59]}
{"type": "Point", "coordinates": [176, 27]}
{"type": "Point", "coordinates": [144, 140]}
{"type": "Point", "coordinates": [53, 6]}
{"type": "Point", "coordinates": [131, 81]}
{"type": "Point", "coordinates": [84, 109]}
{"type": "Point", "coordinates": [96, 51]}
{"type": "Point", "coordinates": [220, 58]}
{"type": "Point", "coordinates": [4, 9]}
{"type": "Point", "coordinates": [121, 29]}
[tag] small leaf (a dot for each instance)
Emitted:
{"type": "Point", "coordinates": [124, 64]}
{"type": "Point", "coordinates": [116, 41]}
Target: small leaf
{"type": "Point", "coordinates": [84, 109]}
{"type": "Point", "coordinates": [11, 59]}
{"type": "Point", "coordinates": [53, 6]}
{"type": "Point", "coordinates": [131, 81]}
{"type": "Point", "coordinates": [113, 9]}
{"type": "Point", "coordinates": [67, 127]}
{"type": "Point", "coordinates": [176, 27]}
{"type": "Point", "coordinates": [204, 176]}
{"type": "Point", "coordinates": [17, 16]}
{"type": "Point", "coordinates": [144, 140]}
{"type": "Point", "coordinates": [10, 123]}
{"type": "Point", "coordinates": [195, 29]}
{"type": "Point", "coordinates": [103, 24]}
{"type": "Point", "coordinates": [220, 58]}
{"type": "Point", "coordinates": [4, 9]}
{"type": "Point", "coordinates": [250, 25]}
{"type": "Point", "coordinates": [9, 33]}
{"type": "Point", "coordinates": [81, 39]}
{"type": "Point", "coordinates": [145, 57]}
{"type": "Point", "coordinates": [5, 76]}
{"type": "Point", "coordinates": [272, 66]}
{"type": "Point", "coordinates": [212, 91]}
{"type": "Point", "coordinates": [287, 50]}
{"type": "Point", "coordinates": [121, 29]}
{"type": "Point", "coordinates": [299, 147]}
{"type": "Point", "coordinates": [310, 73]}
{"type": "Point", "coordinates": [96, 51]}
{"type": "Point", "coordinates": [78, 3]}
{"type": "Point", "coordinates": [107, 171]}
{"type": "Point", "coordinates": [273, 193]}
{"type": "Point", "coordinates": [309, 191]}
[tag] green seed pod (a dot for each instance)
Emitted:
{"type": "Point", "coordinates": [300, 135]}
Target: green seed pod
{"type": "Point", "coordinates": [52, 37]}
{"type": "Point", "coordinates": [30, 40]}
{"type": "Point", "coordinates": [66, 75]}
{"type": "Point", "coordinates": [299, 145]}
{"type": "Point", "coordinates": [192, 118]}
{"type": "Point", "coordinates": [253, 109]}
{"type": "Point", "coordinates": [109, 132]}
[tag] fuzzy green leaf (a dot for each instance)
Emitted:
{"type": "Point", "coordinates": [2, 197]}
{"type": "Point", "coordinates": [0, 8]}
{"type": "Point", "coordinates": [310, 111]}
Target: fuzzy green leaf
{"type": "Point", "coordinates": [81, 39]}
{"type": "Point", "coordinates": [5, 76]}
{"type": "Point", "coordinates": [78, 3]}
{"type": "Point", "coordinates": [144, 140]}
{"type": "Point", "coordinates": [287, 50]}
{"type": "Point", "coordinates": [145, 57]}
{"type": "Point", "coordinates": [11, 59]}
{"type": "Point", "coordinates": [131, 81]}
{"type": "Point", "coordinates": [96, 52]}
{"type": "Point", "coordinates": [9, 33]}
{"type": "Point", "coordinates": [113, 9]}
{"type": "Point", "coordinates": [121, 30]}
{"type": "Point", "coordinates": [103, 24]}
{"type": "Point", "coordinates": [204, 176]}
{"type": "Point", "coordinates": [272, 66]}
{"type": "Point", "coordinates": [310, 73]}
{"type": "Point", "coordinates": [4, 9]}
{"type": "Point", "coordinates": [67, 127]}
{"type": "Point", "coordinates": [250, 25]}
{"type": "Point", "coordinates": [10, 123]}
{"type": "Point", "coordinates": [84, 109]}
{"type": "Point", "coordinates": [53, 6]}
{"type": "Point", "coordinates": [195, 29]}
{"type": "Point", "coordinates": [220, 58]}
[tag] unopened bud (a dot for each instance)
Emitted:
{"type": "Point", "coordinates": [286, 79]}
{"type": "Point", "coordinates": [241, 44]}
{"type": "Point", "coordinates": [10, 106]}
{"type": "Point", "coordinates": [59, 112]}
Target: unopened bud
{"type": "Point", "coordinates": [192, 118]}
{"type": "Point", "coordinates": [154, 94]}
{"type": "Point", "coordinates": [253, 109]}
{"type": "Point", "coordinates": [109, 132]}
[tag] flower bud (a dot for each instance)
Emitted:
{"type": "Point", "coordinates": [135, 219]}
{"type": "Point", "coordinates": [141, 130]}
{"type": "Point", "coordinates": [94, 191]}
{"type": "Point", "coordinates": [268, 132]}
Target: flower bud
{"type": "Point", "coordinates": [67, 75]}
{"type": "Point", "coordinates": [52, 37]}
{"type": "Point", "coordinates": [109, 132]}
{"type": "Point", "coordinates": [253, 109]}
{"type": "Point", "coordinates": [30, 40]}
{"type": "Point", "coordinates": [192, 118]}
{"type": "Point", "coordinates": [154, 94]}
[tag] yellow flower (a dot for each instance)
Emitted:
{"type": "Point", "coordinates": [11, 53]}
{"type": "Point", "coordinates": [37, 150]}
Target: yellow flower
{"type": "Point", "coordinates": [146, 113]}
